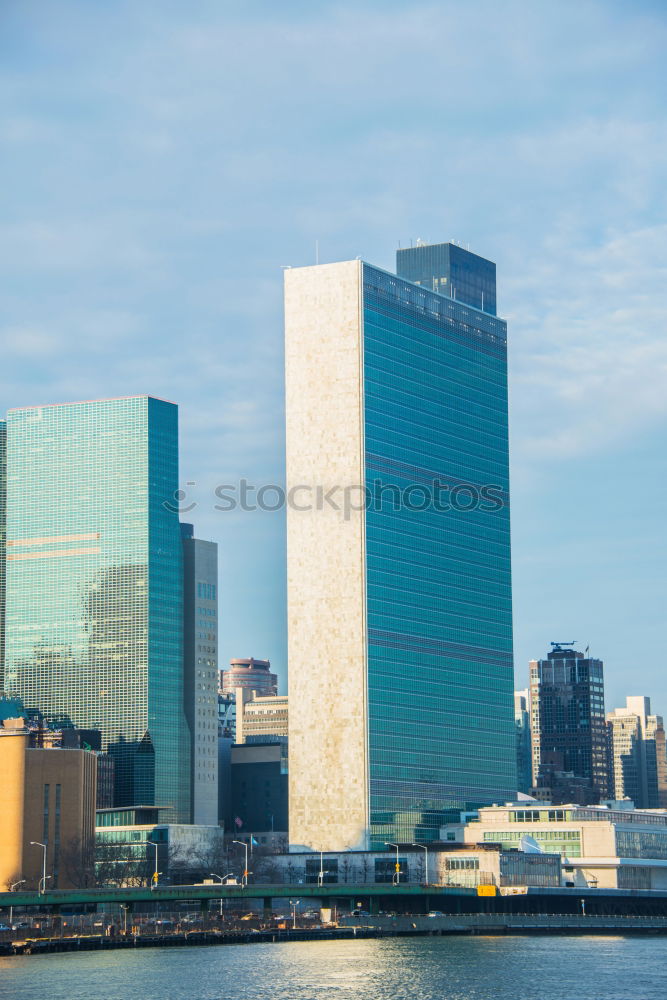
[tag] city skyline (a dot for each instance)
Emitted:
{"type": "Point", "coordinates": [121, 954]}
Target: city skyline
{"type": "Point", "coordinates": [572, 211]}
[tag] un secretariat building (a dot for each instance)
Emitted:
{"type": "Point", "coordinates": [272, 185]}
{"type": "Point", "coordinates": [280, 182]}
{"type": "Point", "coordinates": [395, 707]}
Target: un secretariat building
{"type": "Point", "coordinates": [399, 606]}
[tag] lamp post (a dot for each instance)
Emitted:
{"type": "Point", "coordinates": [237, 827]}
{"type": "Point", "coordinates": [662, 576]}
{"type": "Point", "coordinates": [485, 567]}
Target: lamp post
{"type": "Point", "coordinates": [42, 881]}
{"type": "Point", "coordinates": [244, 844]}
{"type": "Point", "coordinates": [155, 871]}
{"type": "Point", "coordinates": [294, 903]}
{"type": "Point", "coordinates": [396, 878]}
{"type": "Point", "coordinates": [222, 882]}
{"type": "Point", "coordinates": [320, 874]}
{"type": "Point", "coordinates": [11, 908]}
{"type": "Point", "coordinates": [425, 849]}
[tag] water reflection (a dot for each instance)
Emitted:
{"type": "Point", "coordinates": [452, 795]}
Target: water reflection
{"type": "Point", "coordinates": [455, 968]}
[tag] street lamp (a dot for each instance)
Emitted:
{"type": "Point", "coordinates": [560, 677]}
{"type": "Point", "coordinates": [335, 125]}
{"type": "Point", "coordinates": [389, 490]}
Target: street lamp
{"type": "Point", "coordinates": [425, 849]}
{"type": "Point", "coordinates": [222, 882]}
{"type": "Point", "coordinates": [42, 881]}
{"type": "Point", "coordinates": [244, 844]}
{"type": "Point", "coordinates": [294, 903]}
{"type": "Point", "coordinates": [320, 874]}
{"type": "Point", "coordinates": [11, 908]}
{"type": "Point", "coordinates": [396, 877]}
{"type": "Point", "coordinates": [155, 871]}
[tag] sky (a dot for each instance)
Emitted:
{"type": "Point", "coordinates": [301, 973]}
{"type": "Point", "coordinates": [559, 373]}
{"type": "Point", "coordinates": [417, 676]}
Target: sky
{"type": "Point", "coordinates": [161, 163]}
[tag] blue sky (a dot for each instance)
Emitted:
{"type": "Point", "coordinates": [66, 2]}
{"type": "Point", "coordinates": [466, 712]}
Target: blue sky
{"type": "Point", "coordinates": [161, 161]}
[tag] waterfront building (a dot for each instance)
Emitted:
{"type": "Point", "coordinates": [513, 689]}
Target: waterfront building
{"type": "Point", "coordinates": [523, 748]}
{"type": "Point", "coordinates": [399, 588]}
{"type": "Point", "coordinates": [467, 865]}
{"type": "Point", "coordinates": [94, 588]}
{"type": "Point", "coordinates": [261, 720]}
{"type": "Point", "coordinates": [605, 846]}
{"type": "Point", "coordinates": [132, 843]}
{"type": "Point", "coordinates": [48, 815]}
{"type": "Point", "coordinates": [568, 729]}
{"type": "Point", "coordinates": [200, 659]}
{"type": "Point", "coordinates": [60, 793]}
{"type": "Point", "coordinates": [637, 754]}
{"type": "Point", "coordinates": [13, 744]}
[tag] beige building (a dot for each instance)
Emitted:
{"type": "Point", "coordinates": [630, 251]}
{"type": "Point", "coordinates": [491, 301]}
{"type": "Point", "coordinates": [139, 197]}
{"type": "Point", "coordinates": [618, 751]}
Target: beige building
{"type": "Point", "coordinates": [638, 756]}
{"type": "Point", "coordinates": [325, 558]}
{"type": "Point", "coordinates": [13, 743]}
{"type": "Point", "coordinates": [600, 846]}
{"type": "Point", "coordinates": [260, 719]}
{"type": "Point", "coordinates": [48, 799]}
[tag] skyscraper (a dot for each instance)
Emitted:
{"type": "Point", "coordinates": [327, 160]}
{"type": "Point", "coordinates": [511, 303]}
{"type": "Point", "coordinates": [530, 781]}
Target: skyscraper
{"type": "Point", "coordinates": [568, 725]}
{"type": "Point", "coordinates": [200, 654]}
{"type": "Point", "coordinates": [638, 759]}
{"type": "Point", "coordinates": [399, 587]}
{"type": "Point", "coordinates": [95, 584]}
{"type": "Point", "coordinates": [524, 777]}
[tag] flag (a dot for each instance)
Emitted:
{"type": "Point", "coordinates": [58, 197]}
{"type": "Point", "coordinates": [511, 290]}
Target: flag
{"type": "Point", "coordinates": [238, 823]}
{"type": "Point", "coordinates": [254, 841]}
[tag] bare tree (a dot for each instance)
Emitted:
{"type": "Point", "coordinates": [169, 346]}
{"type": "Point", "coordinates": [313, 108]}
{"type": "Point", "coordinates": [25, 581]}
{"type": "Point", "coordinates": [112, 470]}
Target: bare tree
{"type": "Point", "coordinates": [116, 865]}
{"type": "Point", "coordinates": [77, 863]}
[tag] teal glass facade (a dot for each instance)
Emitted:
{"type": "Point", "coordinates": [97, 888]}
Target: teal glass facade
{"type": "Point", "coordinates": [438, 580]}
{"type": "Point", "coordinates": [94, 584]}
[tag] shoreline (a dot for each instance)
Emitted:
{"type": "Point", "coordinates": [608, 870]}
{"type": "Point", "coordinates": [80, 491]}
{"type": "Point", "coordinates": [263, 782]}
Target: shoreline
{"type": "Point", "coordinates": [527, 925]}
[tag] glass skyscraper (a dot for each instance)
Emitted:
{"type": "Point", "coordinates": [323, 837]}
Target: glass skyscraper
{"type": "Point", "coordinates": [397, 412]}
{"type": "Point", "coordinates": [94, 590]}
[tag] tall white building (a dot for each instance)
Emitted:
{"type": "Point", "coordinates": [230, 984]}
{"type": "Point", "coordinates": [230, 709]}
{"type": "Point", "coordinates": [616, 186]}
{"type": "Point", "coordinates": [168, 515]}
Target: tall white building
{"type": "Point", "coordinates": [638, 757]}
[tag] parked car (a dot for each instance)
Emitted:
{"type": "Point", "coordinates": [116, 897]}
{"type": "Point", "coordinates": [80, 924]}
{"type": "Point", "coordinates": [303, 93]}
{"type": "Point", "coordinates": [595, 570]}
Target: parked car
{"type": "Point", "coordinates": [5, 927]}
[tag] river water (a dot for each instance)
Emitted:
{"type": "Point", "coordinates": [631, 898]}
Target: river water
{"type": "Point", "coordinates": [442, 968]}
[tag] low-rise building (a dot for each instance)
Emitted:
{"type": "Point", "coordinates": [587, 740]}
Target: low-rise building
{"type": "Point", "coordinates": [607, 846]}
{"type": "Point", "coordinates": [131, 844]}
{"type": "Point", "coordinates": [466, 865]}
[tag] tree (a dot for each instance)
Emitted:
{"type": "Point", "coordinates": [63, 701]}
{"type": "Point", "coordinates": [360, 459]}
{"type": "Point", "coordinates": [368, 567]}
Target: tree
{"type": "Point", "coordinates": [77, 863]}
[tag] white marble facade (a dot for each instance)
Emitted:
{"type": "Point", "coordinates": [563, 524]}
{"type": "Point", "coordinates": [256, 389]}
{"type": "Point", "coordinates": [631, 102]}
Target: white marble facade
{"type": "Point", "coordinates": [328, 741]}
